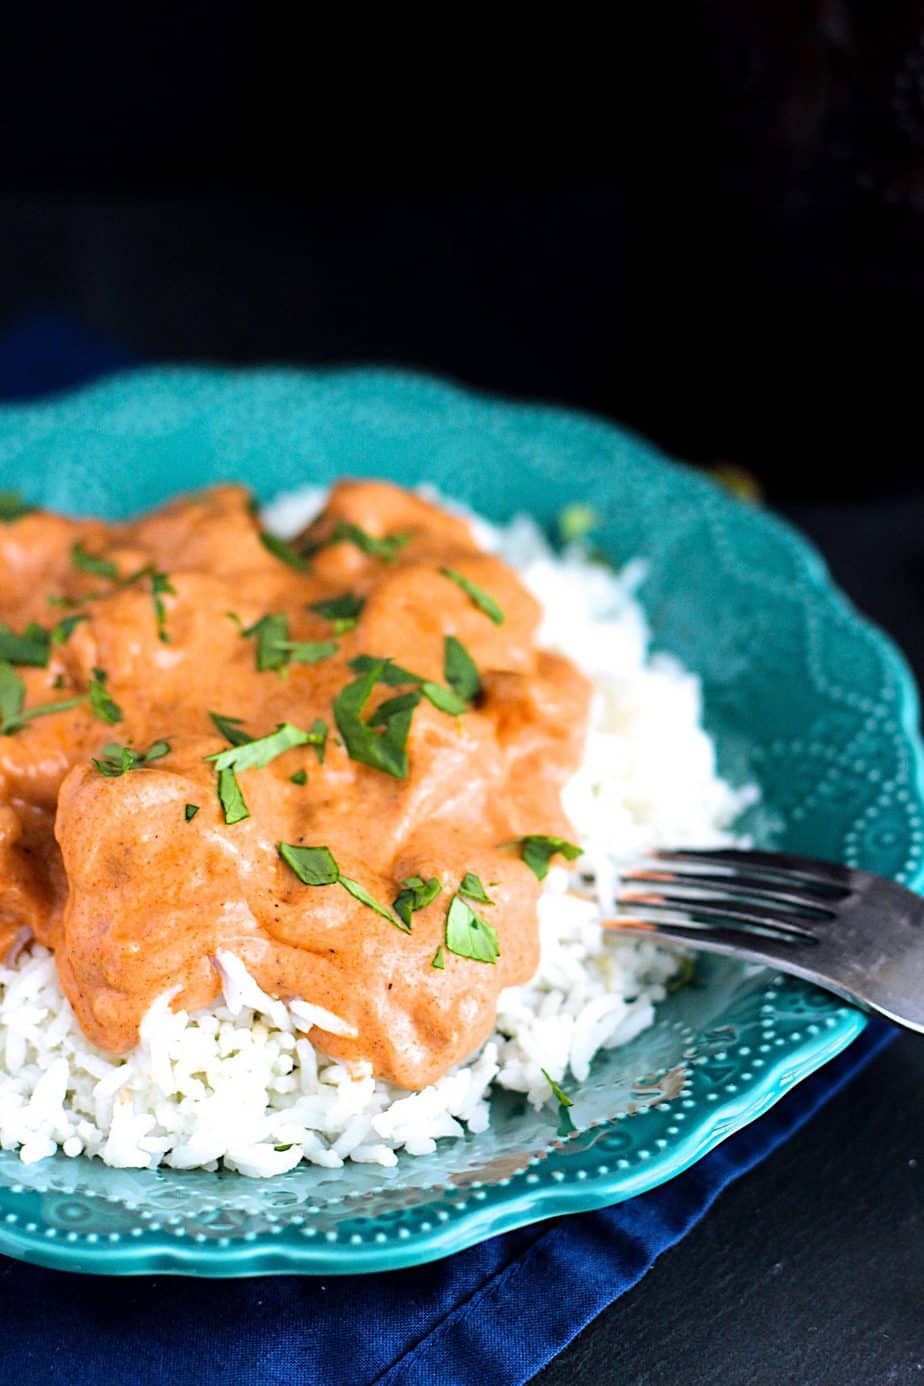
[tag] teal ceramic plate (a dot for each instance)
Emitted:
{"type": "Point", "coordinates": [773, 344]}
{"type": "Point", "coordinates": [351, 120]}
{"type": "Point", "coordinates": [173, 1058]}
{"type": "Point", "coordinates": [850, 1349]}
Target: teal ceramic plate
{"type": "Point", "coordinates": [801, 693]}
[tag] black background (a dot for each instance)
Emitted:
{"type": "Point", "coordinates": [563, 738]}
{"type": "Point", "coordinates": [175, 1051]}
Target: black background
{"type": "Point", "coordinates": [705, 222]}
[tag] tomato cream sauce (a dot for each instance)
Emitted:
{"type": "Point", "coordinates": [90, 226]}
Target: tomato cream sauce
{"type": "Point", "coordinates": [135, 897]}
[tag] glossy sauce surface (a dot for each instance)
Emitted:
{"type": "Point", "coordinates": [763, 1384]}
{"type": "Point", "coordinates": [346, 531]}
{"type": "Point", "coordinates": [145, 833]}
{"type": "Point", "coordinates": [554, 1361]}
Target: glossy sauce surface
{"type": "Point", "coordinates": [134, 899]}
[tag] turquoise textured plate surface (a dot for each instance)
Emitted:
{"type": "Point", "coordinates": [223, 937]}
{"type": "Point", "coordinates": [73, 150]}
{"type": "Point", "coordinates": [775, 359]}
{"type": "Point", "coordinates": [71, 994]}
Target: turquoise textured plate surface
{"type": "Point", "coordinates": [801, 693]}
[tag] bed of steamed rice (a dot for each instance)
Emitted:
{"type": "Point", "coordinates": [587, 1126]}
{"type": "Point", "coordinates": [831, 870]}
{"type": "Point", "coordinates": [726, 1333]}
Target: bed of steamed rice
{"type": "Point", "coordinates": [240, 1083]}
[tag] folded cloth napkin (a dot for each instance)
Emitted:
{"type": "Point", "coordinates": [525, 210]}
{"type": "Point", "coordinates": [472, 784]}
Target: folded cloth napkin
{"type": "Point", "coordinates": [489, 1316]}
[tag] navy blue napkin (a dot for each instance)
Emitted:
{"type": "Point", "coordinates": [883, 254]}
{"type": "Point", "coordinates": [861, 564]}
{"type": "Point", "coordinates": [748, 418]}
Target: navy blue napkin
{"type": "Point", "coordinates": [490, 1316]}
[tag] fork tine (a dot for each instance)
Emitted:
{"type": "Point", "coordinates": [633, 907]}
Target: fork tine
{"type": "Point", "coordinates": [820, 905]}
{"type": "Point", "coordinates": [712, 939]}
{"type": "Point", "coordinates": [687, 910]}
{"type": "Point", "coordinates": [798, 870]}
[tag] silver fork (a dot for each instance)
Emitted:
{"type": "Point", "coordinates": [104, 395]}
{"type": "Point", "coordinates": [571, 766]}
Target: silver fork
{"type": "Point", "coordinates": [856, 934]}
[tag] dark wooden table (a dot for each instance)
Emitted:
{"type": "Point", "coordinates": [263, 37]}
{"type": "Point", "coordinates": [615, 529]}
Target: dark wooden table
{"type": "Point", "coordinates": [809, 1270]}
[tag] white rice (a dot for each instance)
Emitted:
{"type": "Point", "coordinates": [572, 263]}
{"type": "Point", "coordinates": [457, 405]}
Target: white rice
{"type": "Point", "coordinates": [239, 1084]}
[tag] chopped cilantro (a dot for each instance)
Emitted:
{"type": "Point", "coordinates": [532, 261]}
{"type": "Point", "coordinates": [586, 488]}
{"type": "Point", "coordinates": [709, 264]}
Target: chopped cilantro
{"type": "Point", "coordinates": [415, 894]}
{"type": "Point", "coordinates": [160, 584]}
{"type": "Point", "coordinates": [468, 935]}
{"type": "Point", "coordinates": [385, 750]}
{"type": "Point", "coordinates": [444, 699]}
{"type": "Point", "coordinates": [231, 728]}
{"type": "Point", "coordinates": [385, 548]}
{"type": "Point", "coordinates": [439, 960]}
{"type": "Point", "coordinates": [92, 563]}
{"type": "Point", "coordinates": [285, 552]}
{"type": "Point", "coordinates": [537, 850]}
{"type": "Point", "coordinates": [13, 507]}
{"type": "Point", "coordinates": [32, 647]}
{"type": "Point", "coordinates": [315, 866]}
{"type": "Point", "coordinates": [118, 759]}
{"type": "Point", "coordinates": [459, 670]}
{"type": "Point", "coordinates": [559, 1093]}
{"type": "Point", "coordinates": [231, 798]}
{"type": "Point", "coordinates": [272, 634]}
{"type": "Point", "coordinates": [472, 889]}
{"type": "Point", "coordinates": [13, 713]}
{"type": "Point", "coordinates": [101, 704]}
{"type": "Point", "coordinates": [190, 812]}
{"type": "Point", "coordinates": [65, 628]}
{"type": "Point", "coordinates": [257, 753]}
{"type": "Point", "coordinates": [300, 777]}
{"type": "Point", "coordinates": [476, 594]}
{"type": "Point", "coordinates": [307, 651]}
{"type": "Point", "coordinates": [343, 611]}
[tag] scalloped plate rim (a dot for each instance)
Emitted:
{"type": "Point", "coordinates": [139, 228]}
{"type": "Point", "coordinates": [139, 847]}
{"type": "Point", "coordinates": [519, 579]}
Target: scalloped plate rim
{"type": "Point", "coordinates": [263, 1255]}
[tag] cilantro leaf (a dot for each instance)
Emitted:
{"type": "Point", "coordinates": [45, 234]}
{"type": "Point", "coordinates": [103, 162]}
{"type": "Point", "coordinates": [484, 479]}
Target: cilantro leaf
{"type": "Point", "coordinates": [459, 669]}
{"type": "Point", "coordinates": [468, 935]}
{"type": "Point", "coordinates": [563, 1099]}
{"type": "Point", "coordinates": [472, 889]}
{"type": "Point", "coordinates": [315, 866]}
{"type": "Point", "coordinates": [65, 628]}
{"type": "Point", "coordinates": [32, 647]}
{"type": "Point", "coordinates": [476, 594]}
{"type": "Point", "coordinates": [13, 507]}
{"type": "Point", "coordinates": [160, 584]}
{"type": "Point", "coordinates": [307, 651]}
{"type": "Point", "coordinates": [343, 611]}
{"type": "Point", "coordinates": [537, 850]}
{"type": "Point", "coordinates": [300, 777]}
{"type": "Point", "coordinates": [257, 753]}
{"type": "Point", "coordinates": [439, 960]}
{"type": "Point", "coordinates": [415, 894]}
{"type": "Point", "coordinates": [284, 552]}
{"type": "Point", "coordinates": [231, 728]}
{"type": "Point", "coordinates": [118, 759]}
{"type": "Point", "coordinates": [101, 704]}
{"type": "Point", "coordinates": [272, 633]}
{"type": "Point", "coordinates": [190, 811]}
{"type": "Point", "coordinates": [92, 563]}
{"type": "Point", "coordinates": [386, 548]}
{"type": "Point", "coordinates": [383, 751]}
{"type": "Point", "coordinates": [231, 798]}
{"type": "Point", "coordinates": [12, 698]}
{"type": "Point", "coordinates": [444, 699]}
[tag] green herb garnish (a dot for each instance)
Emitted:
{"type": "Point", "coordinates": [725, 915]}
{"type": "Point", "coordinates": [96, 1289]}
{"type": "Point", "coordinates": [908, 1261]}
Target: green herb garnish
{"type": "Point", "coordinates": [300, 777]}
{"type": "Point", "coordinates": [385, 548]}
{"type": "Point", "coordinates": [231, 728]}
{"type": "Point", "coordinates": [13, 507]}
{"type": "Point", "coordinates": [257, 753]}
{"type": "Point", "coordinates": [438, 959]}
{"type": "Point", "coordinates": [415, 894]}
{"type": "Point", "coordinates": [559, 1093]}
{"type": "Point", "coordinates": [285, 552]}
{"type": "Point", "coordinates": [65, 628]}
{"type": "Point", "coordinates": [468, 935]}
{"type": "Point", "coordinates": [444, 699]}
{"type": "Point", "coordinates": [576, 521]}
{"type": "Point", "coordinates": [13, 713]}
{"type": "Point", "coordinates": [472, 889]}
{"type": "Point", "coordinates": [160, 585]}
{"type": "Point", "coordinates": [232, 800]}
{"type": "Point", "coordinates": [343, 611]}
{"type": "Point", "coordinates": [101, 704]}
{"type": "Point", "coordinates": [383, 750]}
{"type": "Point", "coordinates": [315, 866]}
{"type": "Point", "coordinates": [477, 595]}
{"type": "Point", "coordinates": [32, 647]}
{"type": "Point", "coordinates": [459, 670]}
{"type": "Point", "coordinates": [272, 634]}
{"type": "Point", "coordinates": [537, 850]}
{"type": "Point", "coordinates": [190, 811]}
{"type": "Point", "coordinates": [307, 651]}
{"type": "Point", "coordinates": [92, 563]}
{"type": "Point", "coordinates": [118, 759]}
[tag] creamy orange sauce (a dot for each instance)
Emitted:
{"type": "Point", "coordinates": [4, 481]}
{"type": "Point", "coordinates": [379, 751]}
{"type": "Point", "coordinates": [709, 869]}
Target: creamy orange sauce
{"type": "Point", "coordinates": [134, 899]}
